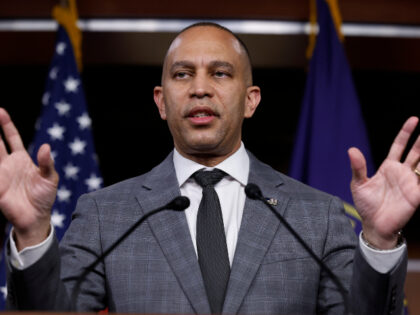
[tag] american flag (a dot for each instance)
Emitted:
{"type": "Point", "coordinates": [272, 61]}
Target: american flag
{"type": "Point", "coordinates": [66, 126]}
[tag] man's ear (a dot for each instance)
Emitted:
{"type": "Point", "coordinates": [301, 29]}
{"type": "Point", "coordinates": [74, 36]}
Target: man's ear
{"type": "Point", "coordinates": [253, 98]}
{"type": "Point", "coordinates": [160, 102]}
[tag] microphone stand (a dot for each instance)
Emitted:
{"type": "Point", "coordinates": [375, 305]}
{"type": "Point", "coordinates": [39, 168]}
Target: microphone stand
{"type": "Point", "coordinates": [180, 203]}
{"type": "Point", "coordinates": [253, 192]}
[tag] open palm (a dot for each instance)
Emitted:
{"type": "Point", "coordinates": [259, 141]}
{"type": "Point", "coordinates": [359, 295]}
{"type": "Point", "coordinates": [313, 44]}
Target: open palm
{"type": "Point", "coordinates": [27, 192]}
{"type": "Point", "coordinates": [387, 200]}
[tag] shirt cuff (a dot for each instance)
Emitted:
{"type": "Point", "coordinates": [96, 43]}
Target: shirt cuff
{"type": "Point", "coordinates": [381, 260]}
{"type": "Point", "coordinates": [31, 254]}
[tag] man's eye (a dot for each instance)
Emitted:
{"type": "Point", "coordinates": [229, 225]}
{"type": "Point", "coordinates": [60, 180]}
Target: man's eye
{"type": "Point", "coordinates": [180, 75]}
{"type": "Point", "coordinates": [221, 74]}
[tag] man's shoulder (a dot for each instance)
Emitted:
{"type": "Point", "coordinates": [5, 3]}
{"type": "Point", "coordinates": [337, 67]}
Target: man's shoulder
{"type": "Point", "coordinates": [123, 187]}
{"type": "Point", "coordinates": [287, 185]}
{"type": "Point", "coordinates": [132, 186]}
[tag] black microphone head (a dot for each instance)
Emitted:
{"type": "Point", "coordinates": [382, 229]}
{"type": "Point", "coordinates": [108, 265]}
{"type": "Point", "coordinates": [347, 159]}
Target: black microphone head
{"type": "Point", "coordinates": [180, 203]}
{"type": "Point", "coordinates": [253, 191]}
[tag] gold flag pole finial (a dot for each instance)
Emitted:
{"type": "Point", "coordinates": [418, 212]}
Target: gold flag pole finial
{"type": "Point", "coordinates": [66, 15]}
{"type": "Point", "coordinates": [336, 16]}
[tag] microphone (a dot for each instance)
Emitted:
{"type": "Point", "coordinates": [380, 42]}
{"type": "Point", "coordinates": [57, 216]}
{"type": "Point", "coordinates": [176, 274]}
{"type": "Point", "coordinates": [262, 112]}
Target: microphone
{"type": "Point", "coordinates": [179, 204]}
{"type": "Point", "coordinates": [254, 192]}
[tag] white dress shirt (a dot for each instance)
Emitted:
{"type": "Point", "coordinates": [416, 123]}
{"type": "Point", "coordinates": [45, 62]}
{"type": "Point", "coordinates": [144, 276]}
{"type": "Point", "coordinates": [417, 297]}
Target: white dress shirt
{"type": "Point", "coordinates": [231, 192]}
{"type": "Point", "coordinates": [232, 200]}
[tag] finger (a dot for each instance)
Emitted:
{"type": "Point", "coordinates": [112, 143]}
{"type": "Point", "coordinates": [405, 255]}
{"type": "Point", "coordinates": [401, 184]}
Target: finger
{"type": "Point", "coordinates": [46, 163]}
{"type": "Point", "coordinates": [3, 150]}
{"type": "Point", "coordinates": [414, 155]}
{"type": "Point", "coordinates": [11, 133]}
{"type": "Point", "coordinates": [400, 142]}
{"type": "Point", "coordinates": [358, 166]}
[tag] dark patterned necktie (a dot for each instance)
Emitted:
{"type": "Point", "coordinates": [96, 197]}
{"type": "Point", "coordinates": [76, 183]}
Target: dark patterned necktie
{"type": "Point", "coordinates": [211, 240]}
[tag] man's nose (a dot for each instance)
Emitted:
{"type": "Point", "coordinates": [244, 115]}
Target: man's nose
{"type": "Point", "coordinates": [201, 86]}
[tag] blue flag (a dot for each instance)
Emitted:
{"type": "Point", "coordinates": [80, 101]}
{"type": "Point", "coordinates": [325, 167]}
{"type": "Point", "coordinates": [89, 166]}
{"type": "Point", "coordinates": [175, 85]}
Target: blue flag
{"type": "Point", "coordinates": [66, 126]}
{"type": "Point", "coordinates": [331, 120]}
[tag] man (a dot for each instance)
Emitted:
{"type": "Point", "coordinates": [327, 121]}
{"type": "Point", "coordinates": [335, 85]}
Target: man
{"type": "Point", "coordinates": [206, 93]}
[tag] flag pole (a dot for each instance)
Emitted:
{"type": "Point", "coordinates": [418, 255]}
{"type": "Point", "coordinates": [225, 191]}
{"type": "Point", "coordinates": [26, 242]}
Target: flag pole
{"type": "Point", "coordinates": [66, 15]}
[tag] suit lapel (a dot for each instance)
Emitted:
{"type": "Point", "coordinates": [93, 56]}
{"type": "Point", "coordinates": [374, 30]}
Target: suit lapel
{"type": "Point", "coordinates": [170, 229]}
{"type": "Point", "coordinates": [258, 228]}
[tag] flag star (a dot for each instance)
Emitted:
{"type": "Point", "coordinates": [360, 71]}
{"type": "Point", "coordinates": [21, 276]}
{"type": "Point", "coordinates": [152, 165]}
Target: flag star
{"type": "Point", "coordinates": [70, 171]}
{"type": "Point", "coordinates": [71, 84]}
{"type": "Point", "coordinates": [57, 219]}
{"type": "Point", "coordinates": [62, 107]}
{"type": "Point", "coordinates": [63, 194]}
{"type": "Point", "coordinates": [56, 132]}
{"type": "Point", "coordinates": [84, 121]}
{"type": "Point", "coordinates": [45, 98]}
{"type": "Point", "coordinates": [60, 48]}
{"type": "Point", "coordinates": [53, 155]}
{"type": "Point", "coordinates": [53, 73]}
{"type": "Point", "coordinates": [93, 182]}
{"type": "Point", "coordinates": [4, 291]}
{"type": "Point", "coordinates": [77, 146]}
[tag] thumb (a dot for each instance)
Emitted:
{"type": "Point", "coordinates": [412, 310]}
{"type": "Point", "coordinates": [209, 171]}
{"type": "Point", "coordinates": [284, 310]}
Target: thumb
{"type": "Point", "coordinates": [358, 166]}
{"type": "Point", "coordinates": [46, 163]}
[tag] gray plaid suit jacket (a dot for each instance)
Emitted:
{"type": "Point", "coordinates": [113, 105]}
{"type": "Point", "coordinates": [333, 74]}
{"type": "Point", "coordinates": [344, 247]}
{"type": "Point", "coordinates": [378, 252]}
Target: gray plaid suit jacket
{"type": "Point", "coordinates": [156, 270]}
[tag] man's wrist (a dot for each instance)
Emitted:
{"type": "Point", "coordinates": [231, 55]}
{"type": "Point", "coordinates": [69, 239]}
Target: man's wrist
{"type": "Point", "coordinates": [28, 239]}
{"type": "Point", "coordinates": [383, 261]}
{"type": "Point", "coordinates": [29, 255]}
{"type": "Point", "coordinates": [398, 241]}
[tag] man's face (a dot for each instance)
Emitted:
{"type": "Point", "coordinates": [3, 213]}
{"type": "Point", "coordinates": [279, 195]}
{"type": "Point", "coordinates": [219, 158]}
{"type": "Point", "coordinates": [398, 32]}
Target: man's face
{"type": "Point", "coordinates": [206, 92]}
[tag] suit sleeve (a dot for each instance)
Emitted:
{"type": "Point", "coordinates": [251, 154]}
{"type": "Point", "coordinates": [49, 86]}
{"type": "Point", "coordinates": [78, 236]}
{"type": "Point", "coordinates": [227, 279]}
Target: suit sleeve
{"type": "Point", "coordinates": [376, 293]}
{"type": "Point", "coordinates": [48, 284]}
{"type": "Point", "coordinates": [337, 254]}
{"type": "Point", "coordinates": [38, 287]}
{"type": "Point", "coordinates": [370, 292]}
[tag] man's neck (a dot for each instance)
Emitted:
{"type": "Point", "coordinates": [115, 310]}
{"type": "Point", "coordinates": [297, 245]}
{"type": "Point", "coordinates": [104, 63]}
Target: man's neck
{"type": "Point", "coordinates": [208, 159]}
{"type": "Point", "coordinates": [236, 165]}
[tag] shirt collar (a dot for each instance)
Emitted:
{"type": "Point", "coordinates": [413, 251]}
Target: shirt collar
{"type": "Point", "coordinates": [236, 166]}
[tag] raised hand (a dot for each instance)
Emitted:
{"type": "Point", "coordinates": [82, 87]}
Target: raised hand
{"type": "Point", "coordinates": [387, 200]}
{"type": "Point", "coordinates": [27, 192]}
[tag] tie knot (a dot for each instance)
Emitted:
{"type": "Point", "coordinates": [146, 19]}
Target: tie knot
{"type": "Point", "coordinates": [208, 178]}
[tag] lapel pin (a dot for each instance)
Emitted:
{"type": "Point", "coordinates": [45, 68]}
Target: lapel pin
{"type": "Point", "coordinates": [272, 201]}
